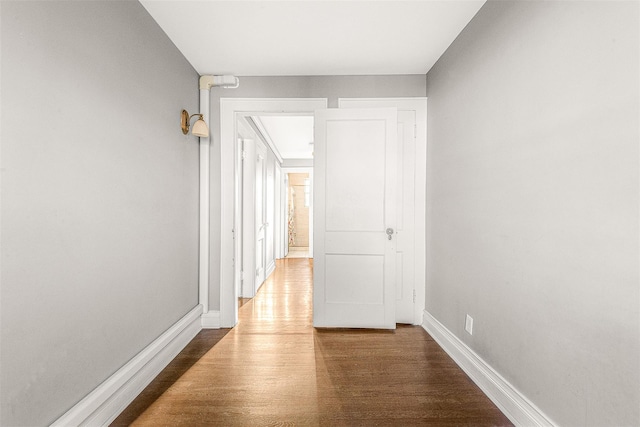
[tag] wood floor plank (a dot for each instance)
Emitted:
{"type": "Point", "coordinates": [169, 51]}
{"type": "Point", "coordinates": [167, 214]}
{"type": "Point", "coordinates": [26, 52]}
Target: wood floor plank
{"type": "Point", "coordinates": [275, 369]}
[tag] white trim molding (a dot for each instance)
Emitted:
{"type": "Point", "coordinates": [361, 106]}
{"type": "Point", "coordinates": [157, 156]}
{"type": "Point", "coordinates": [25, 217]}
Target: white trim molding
{"type": "Point", "coordinates": [270, 268]}
{"type": "Point", "coordinates": [505, 396]}
{"type": "Point", "coordinates": [109, 399]}
{"type": "Point", "coordinates": [230, 109]}
{"type": "Point", "coordinates": [210, 320]}
{"type": "Point", "coordinates": [256, 122]}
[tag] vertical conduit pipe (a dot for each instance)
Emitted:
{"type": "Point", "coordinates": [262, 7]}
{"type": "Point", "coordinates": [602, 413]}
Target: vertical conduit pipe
{"type": "Point", "coordinates": [205, 143]}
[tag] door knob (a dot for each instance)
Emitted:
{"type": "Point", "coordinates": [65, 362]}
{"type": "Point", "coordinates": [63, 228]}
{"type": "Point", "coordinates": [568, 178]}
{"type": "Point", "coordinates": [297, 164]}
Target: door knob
{"type": "Point", "coordinates": [389, 232]}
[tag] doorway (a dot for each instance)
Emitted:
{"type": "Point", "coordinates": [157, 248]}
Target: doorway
{"type": "Point", "coordinates": [298, 215]}
{"type": "Point", "coordinates": [270, 148]}
{"type": "Point", "coordinates": [232, 108]}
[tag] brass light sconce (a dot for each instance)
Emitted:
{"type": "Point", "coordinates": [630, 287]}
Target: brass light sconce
{"type": "Point", "coordinates": [200, 128]}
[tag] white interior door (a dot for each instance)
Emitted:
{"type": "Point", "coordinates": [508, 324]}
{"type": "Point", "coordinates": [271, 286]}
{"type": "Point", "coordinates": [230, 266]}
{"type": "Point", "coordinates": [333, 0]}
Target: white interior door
{"type": "Point", "coordinates": [355, 217]}
{"type": "Point", "coordinates": [260, 214]}
{"type": "Point", "coordinates": [411, 238]}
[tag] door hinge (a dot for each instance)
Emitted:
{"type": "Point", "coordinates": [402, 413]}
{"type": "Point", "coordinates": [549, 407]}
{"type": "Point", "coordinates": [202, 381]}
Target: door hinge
{"type": "Point", "coordinates": [414, 296]}
{"type": "Point", "coordinates": [244, 154]}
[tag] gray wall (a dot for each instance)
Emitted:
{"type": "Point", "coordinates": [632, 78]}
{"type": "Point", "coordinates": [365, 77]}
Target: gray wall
{"type": "Point", "coordinates": [99, 198]}
{"type": "Point", "coordinates": [533, 198]}
{"type": "Point", "coordinates": [331, 87]}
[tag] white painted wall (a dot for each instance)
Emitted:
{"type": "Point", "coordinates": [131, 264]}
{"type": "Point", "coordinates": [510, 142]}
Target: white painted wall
{"type": "Point", "coordinates": [99, 248]}
{"type": "Point", "coordinates": [271, 211]}
{"type": "Point", "coordinates": [532, 195]}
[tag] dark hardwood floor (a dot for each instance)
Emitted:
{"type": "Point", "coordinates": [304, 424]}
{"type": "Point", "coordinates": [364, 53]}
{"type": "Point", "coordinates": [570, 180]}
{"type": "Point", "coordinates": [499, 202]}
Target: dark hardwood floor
{"type": "Point", "coordinates": [275, 369]}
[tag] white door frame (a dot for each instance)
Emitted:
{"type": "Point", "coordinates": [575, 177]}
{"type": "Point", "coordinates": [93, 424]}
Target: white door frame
{"type": "Point", "coordinates": [229, 109]}
{"type": "Point", "coordinates": [419, 105]}
{"type": "Point", "coordinates": [277, 229]}
{"type": "Point", "coordinates": [284, 217]}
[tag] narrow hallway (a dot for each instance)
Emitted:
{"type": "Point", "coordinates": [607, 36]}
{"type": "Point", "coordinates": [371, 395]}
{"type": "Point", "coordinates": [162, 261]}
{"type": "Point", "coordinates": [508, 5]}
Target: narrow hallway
{"type": "Point", "coordinates": [274, 368]}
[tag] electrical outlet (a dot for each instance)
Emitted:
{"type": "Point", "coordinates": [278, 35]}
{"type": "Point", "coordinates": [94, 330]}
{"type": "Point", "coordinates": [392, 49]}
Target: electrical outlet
{"type": "Point", "coordinates": [468, 324]}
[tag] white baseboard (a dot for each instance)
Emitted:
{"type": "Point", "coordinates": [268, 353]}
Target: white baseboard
{"type": "Point", "coordinates": [210, 320]}
{"type": "Point", "coordinates": [109, 399]}
{"type": "Point", "coordinates": [510, 401]}
{"type": "Point", "coordinates": [271, 268]}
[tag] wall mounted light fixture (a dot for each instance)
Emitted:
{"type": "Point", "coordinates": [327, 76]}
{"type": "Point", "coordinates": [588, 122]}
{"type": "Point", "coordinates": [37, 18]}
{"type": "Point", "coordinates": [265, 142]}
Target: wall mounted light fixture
{"type": "Point", "coordinates": [199, 127]}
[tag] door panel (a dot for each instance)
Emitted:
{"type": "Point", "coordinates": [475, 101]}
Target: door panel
{"type": "Point", "coordinates": [354, 279]}
{"type": "Point", "coordinates": [353, 150]}
{"type": "Point", "coordinates": [406, 206]}
{"type": "Point", "coordinates": [354, 199]}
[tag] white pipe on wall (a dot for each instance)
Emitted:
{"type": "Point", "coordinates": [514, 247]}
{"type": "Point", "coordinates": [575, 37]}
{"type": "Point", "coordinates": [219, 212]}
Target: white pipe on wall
{"type": "Point", "coordinates": [203, 277]}
{"type": "Point", "coordinates": [206, 83]}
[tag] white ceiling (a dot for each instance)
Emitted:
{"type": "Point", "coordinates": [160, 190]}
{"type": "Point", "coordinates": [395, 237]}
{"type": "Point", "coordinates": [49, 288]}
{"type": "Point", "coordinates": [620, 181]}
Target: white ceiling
{"type": "Point", "coordinates": [292, 135]}
{"type": "Point", "coordinates": [312, 37]}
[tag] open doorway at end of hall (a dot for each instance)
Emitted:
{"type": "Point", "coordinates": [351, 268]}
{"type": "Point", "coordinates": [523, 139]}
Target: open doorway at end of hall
{"type": "Point", "coordinates": [298, 205]}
